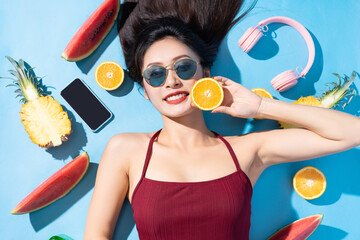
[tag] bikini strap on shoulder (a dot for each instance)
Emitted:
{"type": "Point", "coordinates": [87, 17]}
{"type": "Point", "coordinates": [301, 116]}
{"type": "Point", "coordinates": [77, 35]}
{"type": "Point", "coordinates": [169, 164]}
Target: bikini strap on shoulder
{"type": "Point", "coordinates": [232, 153]}
{"type": "Point", "coordinates": [149, 151]}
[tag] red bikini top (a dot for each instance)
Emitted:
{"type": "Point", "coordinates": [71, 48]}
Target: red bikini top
{"type": "Point", "coordinates": [213, 209]}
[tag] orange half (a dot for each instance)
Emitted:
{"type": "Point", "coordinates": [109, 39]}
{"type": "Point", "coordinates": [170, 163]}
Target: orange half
{"type": "Point", "coordinates": [207, 94]}
{"type": "Point", "coordinates": [262, 93]}
{"type": "Point", "coordinates": [109, 75]}
{"type": "Point", "coordinates": [309, 183]}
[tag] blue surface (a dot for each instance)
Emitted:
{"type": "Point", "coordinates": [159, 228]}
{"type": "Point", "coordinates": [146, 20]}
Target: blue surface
{"type": "Point", "coordinates": [38, 31]}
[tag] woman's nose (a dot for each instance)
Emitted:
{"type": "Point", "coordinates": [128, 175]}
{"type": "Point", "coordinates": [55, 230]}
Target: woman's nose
{"type": "Point", "coordinates": [172, 80]}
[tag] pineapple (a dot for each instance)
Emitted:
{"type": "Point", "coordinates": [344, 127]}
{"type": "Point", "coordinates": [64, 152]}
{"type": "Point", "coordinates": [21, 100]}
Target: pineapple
{"type": "Point", "coordinates": [330, 98]}
{"type": "Point", "coordinates": [45, 121]}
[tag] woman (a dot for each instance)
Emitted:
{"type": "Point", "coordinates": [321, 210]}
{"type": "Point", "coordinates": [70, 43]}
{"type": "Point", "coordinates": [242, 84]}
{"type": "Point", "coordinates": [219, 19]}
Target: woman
{"type": "Point", "coordinates": [185, 181]}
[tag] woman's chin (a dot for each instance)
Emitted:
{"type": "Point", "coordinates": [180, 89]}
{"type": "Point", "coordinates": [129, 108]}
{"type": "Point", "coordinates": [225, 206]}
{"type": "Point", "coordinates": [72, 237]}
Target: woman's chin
{"type": "Point", "coordinates": [181, 112]}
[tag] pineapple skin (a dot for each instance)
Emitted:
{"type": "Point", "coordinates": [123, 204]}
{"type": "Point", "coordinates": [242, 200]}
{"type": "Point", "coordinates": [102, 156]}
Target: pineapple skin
{"type": "Point", "coordinates": [330, 98]}
{"type": "Point", "coordinates": [45, 121]}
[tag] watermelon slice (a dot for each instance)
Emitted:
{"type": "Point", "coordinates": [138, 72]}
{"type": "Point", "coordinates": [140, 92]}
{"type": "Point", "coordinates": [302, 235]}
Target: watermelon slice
{"type": "Point", "coordinates": [298, 230]}
{"type": "Point", "coordinates": [61, 237]}
{"type": "Point", "coordinates": [92, 32]}
{"type": "Point", "coordinates": [55, 187]}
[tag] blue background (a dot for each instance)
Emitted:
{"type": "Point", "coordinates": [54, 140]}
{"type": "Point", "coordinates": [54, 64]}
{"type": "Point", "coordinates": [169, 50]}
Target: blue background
{"type": "Point", "coordinates": [38, 31]}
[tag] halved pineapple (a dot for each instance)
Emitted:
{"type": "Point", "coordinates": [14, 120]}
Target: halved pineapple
{"type": "Point", "coordinates": [45, 121]}
{"type": "Point", "coordinates": [330, 99]}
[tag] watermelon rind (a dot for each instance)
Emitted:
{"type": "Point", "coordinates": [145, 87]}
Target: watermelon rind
{"type": "Point", "coordinates": [277, 234]}
{"type": "Point", "coordinates": [61, 237]}
{"type": "Point", "coordinates": [91, 25]}
{"type": "Point", "coordinates": [30, 197]}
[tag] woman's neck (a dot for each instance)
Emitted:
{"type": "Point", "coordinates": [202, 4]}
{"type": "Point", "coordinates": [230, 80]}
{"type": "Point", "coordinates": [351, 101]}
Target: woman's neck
{"type": "Point", "coordinates": [186, 132]}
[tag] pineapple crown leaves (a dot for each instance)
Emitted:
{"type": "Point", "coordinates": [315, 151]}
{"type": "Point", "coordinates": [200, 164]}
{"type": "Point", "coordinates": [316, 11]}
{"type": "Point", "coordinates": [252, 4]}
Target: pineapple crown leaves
{"type": "Point", "coordinates": [338, 91]}
{"type": "Point", "coordinates": [26, 82]}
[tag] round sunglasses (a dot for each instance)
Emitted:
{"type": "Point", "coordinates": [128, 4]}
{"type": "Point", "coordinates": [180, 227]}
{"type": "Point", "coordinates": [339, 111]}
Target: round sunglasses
{"type": "Point", "coordinates": [155, 75]}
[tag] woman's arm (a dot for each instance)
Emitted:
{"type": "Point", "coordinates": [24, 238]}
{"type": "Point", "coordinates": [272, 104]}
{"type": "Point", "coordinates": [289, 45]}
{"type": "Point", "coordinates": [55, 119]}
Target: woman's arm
{"type": "Point", "coordinates": [324, 131]}
{"type": "Point", "coordinates": [110, 190]}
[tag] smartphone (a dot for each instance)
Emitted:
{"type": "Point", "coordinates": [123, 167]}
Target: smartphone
{"type": "Point", "coordinates": [86, 104]}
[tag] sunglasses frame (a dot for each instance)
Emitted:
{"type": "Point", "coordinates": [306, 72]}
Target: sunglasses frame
{"type": "Point", "coordinates": [167, 70]}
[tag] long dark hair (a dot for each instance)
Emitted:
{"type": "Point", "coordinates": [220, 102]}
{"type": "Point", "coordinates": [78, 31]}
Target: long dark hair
{"type": "Point", "coordinates": [199, 24]}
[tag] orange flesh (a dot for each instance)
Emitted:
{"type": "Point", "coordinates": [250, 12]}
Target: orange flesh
{"type": "Point", "coordinates": [207, 94]}
{"type": "Point", "coordinates": [309, 183]}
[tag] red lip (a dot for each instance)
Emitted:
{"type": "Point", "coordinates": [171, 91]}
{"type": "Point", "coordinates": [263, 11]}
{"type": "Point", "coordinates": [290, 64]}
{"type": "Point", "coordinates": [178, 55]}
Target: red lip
{"type": "Point", "coordinates": [175, 93]}
{"type": "Point", "coordinates": [177, 100]}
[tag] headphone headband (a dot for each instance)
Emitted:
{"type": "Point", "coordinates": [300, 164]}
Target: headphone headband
{"type": "Point", "coordinates": [302, 30]}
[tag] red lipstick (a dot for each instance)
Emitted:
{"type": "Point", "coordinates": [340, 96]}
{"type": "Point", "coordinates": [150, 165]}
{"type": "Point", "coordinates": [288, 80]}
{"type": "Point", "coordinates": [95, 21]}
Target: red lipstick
{"type": "Point", "coordinates": [176, 97]}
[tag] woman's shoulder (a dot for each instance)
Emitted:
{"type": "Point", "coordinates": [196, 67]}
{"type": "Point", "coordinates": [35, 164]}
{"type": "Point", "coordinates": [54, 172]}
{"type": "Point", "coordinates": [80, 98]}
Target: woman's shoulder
{"type": "Point", "coordinates": [132, 136]}
{"type": "Point", "coordinates": [129, 140]}
{"type": "Point", "coordinates": [123, 148]}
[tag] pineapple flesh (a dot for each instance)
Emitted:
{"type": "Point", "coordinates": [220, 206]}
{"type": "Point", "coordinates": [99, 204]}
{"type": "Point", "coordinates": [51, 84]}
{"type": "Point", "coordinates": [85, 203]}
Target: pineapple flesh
{"type": "Point", "coordinates": [330, 99]}
{"type": "Point", "coordinates": [44, 119]}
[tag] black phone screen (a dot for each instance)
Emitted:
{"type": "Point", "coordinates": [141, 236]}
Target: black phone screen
{"type": "Point", "coordinates": [86, 104]}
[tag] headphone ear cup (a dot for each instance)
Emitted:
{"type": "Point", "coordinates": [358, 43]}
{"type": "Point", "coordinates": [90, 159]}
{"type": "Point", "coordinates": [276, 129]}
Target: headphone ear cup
{"type": "Point", "coordinates": [285, 80]}
{"type": "Point", "coordinates": [250, 38]}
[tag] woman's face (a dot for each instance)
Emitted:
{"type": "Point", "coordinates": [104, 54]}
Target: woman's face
{"type": "Point", "coordinates": [172, 99]}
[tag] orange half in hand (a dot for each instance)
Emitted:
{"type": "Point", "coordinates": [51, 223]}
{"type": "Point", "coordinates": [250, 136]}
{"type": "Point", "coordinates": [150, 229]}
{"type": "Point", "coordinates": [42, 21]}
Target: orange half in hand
{"type": "Point", "coordinates": [207, 94]}
{"type": "Point", "coordinates": [309, 183]}
{"type": "Point", "coordinates": [109, 75]}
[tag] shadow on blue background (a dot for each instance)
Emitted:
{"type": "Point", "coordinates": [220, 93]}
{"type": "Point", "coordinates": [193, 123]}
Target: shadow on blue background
{"type": "Point", "coordinates": [340, 178]}
{"type": "Point", "coordinates": [125, 88]}
{"type": "Point", "coordinates": [44, 90]}
{"type": "Point", "coordinates": [125, 10]}
{"type": "Point", "coordinates": [273, 205]}
{"type": "Point", "coordinates": [305, 86]}
{"type": "Point", "coordinates": [275, 183]}
{"type": "Point", "coordinates": [125, 222]}
{"type": "Point", "coordinates": [331, 233]}
{"type": "Point", "coordinates": [267, 48]}
{"type": "Point", "coordinates": [87, 63]}
{"type": "Point", "coordinates": [77, 140]}
{"type": "Point", "coordinates": [353, 106]}
{"type": "Point", "coordinates": [225, 66]}
{"type": "Point", "coordinates": [43, 217]}
{"type": "Point", "coordinates": [262, 125]}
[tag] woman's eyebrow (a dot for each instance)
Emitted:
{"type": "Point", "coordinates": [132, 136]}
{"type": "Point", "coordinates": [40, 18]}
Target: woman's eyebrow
{"type": "Point", "coordinates": [181, 56]}
{"type": "Point", "coordinates": [173, 60]}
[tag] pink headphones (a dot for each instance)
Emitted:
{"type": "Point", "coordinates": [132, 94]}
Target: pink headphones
{"type": "Point", "coordinates": [289, 78]}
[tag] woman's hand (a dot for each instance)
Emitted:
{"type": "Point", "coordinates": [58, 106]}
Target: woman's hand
{"type": "Point", "coordinates": [239, 101]}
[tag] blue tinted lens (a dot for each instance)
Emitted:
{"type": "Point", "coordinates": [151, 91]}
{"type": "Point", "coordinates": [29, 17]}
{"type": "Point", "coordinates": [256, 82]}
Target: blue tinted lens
{"type": "Point", "coordinates": [185, 68]}
{"type": "Point", "coordinates": [155, 75]}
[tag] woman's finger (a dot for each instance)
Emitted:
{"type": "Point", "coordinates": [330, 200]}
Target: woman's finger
{"type": "Point", "coordinates": [223, 109]}
{"type": "Point", "coordinates": [223, 80]}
